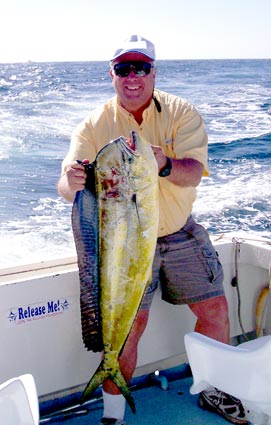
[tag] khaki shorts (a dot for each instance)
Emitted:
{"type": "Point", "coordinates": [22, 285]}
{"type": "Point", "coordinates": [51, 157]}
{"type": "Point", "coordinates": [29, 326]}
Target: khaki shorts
{"type": "Point", "coordinates": [186, 266]}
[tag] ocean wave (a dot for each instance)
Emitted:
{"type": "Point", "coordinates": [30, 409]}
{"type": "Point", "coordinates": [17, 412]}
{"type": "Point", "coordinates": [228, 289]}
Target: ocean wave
{"type": "Point", "coordinates": [258, 148]}
{"type": "Point", "coordinates": [40, 104]}
{"type": "Point", "coordinates": [266, 106]}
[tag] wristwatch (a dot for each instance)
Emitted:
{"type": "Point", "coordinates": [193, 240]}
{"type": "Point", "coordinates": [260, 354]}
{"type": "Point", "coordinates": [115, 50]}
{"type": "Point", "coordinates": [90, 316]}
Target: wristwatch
{"type": "Point", "coordinates": [166, 170]}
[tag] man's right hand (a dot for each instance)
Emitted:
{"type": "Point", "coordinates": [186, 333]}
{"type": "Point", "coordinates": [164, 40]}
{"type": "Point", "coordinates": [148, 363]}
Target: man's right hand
{"type": "Point", "coordinates": [73, 180]}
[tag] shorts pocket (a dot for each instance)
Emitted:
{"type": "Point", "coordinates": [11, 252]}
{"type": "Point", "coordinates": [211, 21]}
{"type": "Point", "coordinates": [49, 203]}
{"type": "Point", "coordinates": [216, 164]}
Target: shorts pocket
{"type": "Point", "coordinates": [212, 263]}
{"type": "Point", "coordinates": [206, 251]}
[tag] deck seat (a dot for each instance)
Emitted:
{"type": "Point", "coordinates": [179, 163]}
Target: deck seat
{"type": "Point", "coordinates": [19, 401]}
{"type": "Point", "coordinates": [243, 371]}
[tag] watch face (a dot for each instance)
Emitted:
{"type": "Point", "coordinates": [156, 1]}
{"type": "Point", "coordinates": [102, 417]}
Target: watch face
{"type": "Point", "coordinates": [167, 169]}
{"type": "Point", "coordinates": [165, 172]}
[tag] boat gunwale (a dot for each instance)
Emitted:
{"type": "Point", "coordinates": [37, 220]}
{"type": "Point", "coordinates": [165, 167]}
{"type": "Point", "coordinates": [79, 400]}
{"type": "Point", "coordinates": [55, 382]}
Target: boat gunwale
{"type": "Point", "coordinates": [67, 264]}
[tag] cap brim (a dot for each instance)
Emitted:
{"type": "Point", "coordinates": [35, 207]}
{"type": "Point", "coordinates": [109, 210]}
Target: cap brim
{"type": "Point", "coordinates": [123, 52]}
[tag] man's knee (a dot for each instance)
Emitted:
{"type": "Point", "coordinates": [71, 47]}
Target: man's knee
{"type": "Point", "coordinates": [211, 308]}
{"type": "Point", "coordinates": [139, 326]}
{"type": "Point", "coordinates": [213, 318]}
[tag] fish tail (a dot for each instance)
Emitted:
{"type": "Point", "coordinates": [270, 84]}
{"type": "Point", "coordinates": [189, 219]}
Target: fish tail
{"type": "Point", "coordinates": [120, 382]}
{"type": "Point", "coordinates": [97, 379]}
{"type": "Point", "coordinates": [109, 369]}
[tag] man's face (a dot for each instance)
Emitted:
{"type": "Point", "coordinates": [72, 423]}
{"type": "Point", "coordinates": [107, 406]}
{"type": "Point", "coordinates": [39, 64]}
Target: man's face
{"type": "Point", "coordinates": [134, 91]}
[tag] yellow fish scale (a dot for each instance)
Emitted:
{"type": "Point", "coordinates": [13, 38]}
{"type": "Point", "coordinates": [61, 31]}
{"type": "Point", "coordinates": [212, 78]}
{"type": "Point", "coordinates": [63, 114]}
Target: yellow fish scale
{"type": "Point", "coordinates": [127, 191]}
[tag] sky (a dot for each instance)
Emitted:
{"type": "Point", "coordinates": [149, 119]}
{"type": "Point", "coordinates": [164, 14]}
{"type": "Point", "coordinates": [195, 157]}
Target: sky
{"type": "Point", "coordinates": [86, 30]}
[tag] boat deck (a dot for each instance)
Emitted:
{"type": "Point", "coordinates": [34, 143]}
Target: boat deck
{"type": "Point", "coordinates": [159, 401]}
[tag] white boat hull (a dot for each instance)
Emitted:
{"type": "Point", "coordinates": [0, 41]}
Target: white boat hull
{"type": "Point", "coordinates": [41, 329]}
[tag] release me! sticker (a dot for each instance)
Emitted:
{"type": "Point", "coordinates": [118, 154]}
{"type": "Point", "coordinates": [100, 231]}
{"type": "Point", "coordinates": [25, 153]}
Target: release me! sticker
{"type": "Point", "coordinates": [24, 314]}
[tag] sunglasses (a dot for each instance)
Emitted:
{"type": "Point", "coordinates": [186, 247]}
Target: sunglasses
{"type": "Point", "coordinates": [140, 68]}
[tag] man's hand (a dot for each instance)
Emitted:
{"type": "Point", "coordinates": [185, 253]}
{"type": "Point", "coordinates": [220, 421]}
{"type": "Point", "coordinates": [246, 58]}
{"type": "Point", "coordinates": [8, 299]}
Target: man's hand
{"type": "Point", "coordinates": [185, 172]}
{"type": "Point", "coordinates": [73, 180]}
{"type": "Point", "coordinates": [76, 176]}
{"type": "Point", "coordinates": [159, 156]}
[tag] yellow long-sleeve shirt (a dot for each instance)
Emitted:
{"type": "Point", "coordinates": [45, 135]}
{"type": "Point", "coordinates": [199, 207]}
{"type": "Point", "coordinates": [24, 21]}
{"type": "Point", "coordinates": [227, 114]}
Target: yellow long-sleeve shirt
{"type": "Point", "coordinates": [178, 128]}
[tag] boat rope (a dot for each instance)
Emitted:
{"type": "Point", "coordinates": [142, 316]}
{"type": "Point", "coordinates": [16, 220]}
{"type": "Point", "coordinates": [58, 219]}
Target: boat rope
{"type": "Point", "coordinates": [219, 236]}
{"type": "Point", "coordinates": [235, 280]}
{"type": "Point", "coordinates": [262, 307]}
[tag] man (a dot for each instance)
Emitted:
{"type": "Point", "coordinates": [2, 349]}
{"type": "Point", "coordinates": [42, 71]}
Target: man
{"type": "Point", "coordinates": [185, 263]}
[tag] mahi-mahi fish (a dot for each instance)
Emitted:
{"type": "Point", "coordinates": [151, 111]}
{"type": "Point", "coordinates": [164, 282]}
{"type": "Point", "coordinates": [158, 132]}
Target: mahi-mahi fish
{"type": "Point", "coordinates": [115, 223]}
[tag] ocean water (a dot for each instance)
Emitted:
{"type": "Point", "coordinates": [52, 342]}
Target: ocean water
{"type": "Point", "coordinates": [41, 103]}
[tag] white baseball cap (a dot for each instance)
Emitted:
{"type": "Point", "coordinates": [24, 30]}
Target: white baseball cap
{"type": "Point", "coordinates": [136, 44]}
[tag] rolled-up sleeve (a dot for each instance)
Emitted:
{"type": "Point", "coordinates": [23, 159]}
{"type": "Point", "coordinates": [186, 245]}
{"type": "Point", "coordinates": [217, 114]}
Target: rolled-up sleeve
{"type": "Point", "coordinates": [191, 140]}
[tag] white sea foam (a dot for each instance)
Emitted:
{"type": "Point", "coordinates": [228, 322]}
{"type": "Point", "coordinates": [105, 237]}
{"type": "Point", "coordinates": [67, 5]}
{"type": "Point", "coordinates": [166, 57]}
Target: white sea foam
{"type": "Point", "coordinates": [238, 201]}
{"type": "Point", "coordinates": [40, 104]}
{"type": "Point", "coordinates": [44, 235]}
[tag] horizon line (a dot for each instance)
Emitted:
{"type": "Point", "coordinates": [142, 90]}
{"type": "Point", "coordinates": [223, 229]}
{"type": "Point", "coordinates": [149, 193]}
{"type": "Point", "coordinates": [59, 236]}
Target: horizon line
{"type": "Point", "coordinates": [105, 60]}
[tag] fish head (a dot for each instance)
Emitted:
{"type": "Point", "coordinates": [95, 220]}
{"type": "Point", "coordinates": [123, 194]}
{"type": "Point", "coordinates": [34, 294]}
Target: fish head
{"type": "Point", "coordinates": [142, 163]}
{"type": "Point", "coordinates": [123, 164]}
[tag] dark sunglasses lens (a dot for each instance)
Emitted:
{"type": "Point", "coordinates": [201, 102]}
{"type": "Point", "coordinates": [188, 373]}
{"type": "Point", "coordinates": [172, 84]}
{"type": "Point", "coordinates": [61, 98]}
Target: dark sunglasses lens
{"type": "Point", "coordinates": [142, 68]}
{"type": "Point", "coordinates": [139, 68]}
{"type": "Point", "coordinates": [122, 69]}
